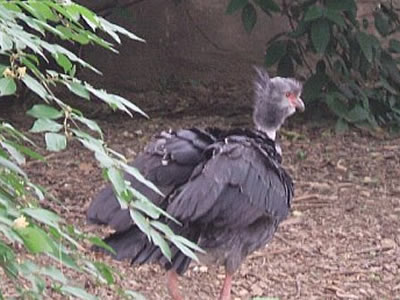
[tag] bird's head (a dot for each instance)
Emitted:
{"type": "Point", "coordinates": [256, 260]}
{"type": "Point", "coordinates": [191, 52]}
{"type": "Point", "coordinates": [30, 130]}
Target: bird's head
{"type": "Point", "coordinates": [275, 99]}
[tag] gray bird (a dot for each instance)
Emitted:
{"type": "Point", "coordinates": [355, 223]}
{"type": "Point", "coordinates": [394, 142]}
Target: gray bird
{"type": "Point", "coordinates": [227, 188]}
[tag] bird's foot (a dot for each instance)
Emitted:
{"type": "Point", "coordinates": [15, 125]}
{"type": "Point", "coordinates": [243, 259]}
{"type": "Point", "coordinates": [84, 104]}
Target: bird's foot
{"type": "Point", "coordinates": [172, 284]}
{"type": "Point", "coordinates": [226, 288]}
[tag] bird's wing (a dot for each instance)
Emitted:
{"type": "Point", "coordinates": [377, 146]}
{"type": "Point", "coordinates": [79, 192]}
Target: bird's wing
{"type": "Point", "coordinates": [238, 184]}
{"type": "Point", "coordinates": [167, 161]}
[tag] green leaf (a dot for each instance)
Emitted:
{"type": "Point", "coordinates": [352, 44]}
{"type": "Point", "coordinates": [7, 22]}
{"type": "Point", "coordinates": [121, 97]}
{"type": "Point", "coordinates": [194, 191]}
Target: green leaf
{"type": "Point", "coordinates": [182, 245]}
{"type": "Point", "coordinates": [15, 154]}
{"type": "Point", "coordinates": [8, 261]}
{"type": "Point", "coordinates": [63, 61]}
{"type": "Point", "coordinates": [35, 86]}
{"type": "Point", "coordinates": [146, 207]}
{"type": "Point", "coordinates": [7, 86]}
{"type": "Point", "coordinates": [77, 292]}
{"type": "Point", "coordinates": [33, 24]}
{"type": "Point", "coordinates": [30, 9]}
{"type": "Point", "coordinates": [160, 242]}
{"type": "Point", "coordinates": [10, 165]}
{"type": "Point", "coordinates": [268, 5]}
{"type": "Point", "coordinates": [43, 216]}
{"type": "Point", "coordinates": [89, 123]}
{"type": "Point", "coordinates": [341, 126]}
{"type": "Point", "coordinates": [90, 17]}
{"type": "Point", "coordinates": [27, 151]}
{"type": "Point", "coordinates": [42, 125]}
{"type": "Point", "coordinates": [394, 46]}
{"type": "Point", "coordinates": [61, 257]}
{"type": "Point", "coordinates": [286, 67]}
{"type": "Point", "coordinates": [35, 239]}
{"type": "Point", "coordinates": [357, 114]}
{"type": "Point", "coordinates": [163, 228]}
{"type": "Point", "coordinates": [105, 272]}
{"type": "Point", "coordinates": [30, 65]}
{"type": "Point", "coordinates": [365, 44]}
{"type": "Point", "coordinates": [385, 84]}
{"type": "Point", "coordinates": [117, 180]}
{"type": "Point", "coordinates": [135, 173]}
{"type": "Point", "coordinates": [55, 142]}
{"type": "Point", "coordinates": [6, 42]}
{"type": "Point", "coordinates": [43, 111]}
{"type": "Point", "coordinates": [115, 101]}
{"type": "Point", "coordinates": [335, 16]}
{"type": "Point", "coordinates": [342, 5]}
{"type": "Point", "coordinates": [235, 5]}
{"type": "Point", "coordinates": [336, 105]}
{"type": "Point", "coordinates": [124, 103]}
{"type": "Point", "coordinates": [78, 89]}
{"type": "Point", "coordinates": [54, 274]}
{"type": "Point", "coordinates": [44, 10]}
{"type": "Point", "coordinates": [301, 29]}
{"type": "Point", "coordinates": [38, 190]}
{"type": "Point", "coordinates": [49, 28]}
{"type": "Point", "coordinates": [100, 243]}
{"type": "Point", "coordinates": [314, 12]}
{"type": "Point", "coordinates": [249, 17]}
{"type": "Point", "coordinates": [54, 48]}
{"type": "Point", "coordinates": [390, 66]}
{"type": "Point", "coordinates": [320, 35]}
{"type": "Point", "coordinates": [188, 243]}
{"type": "Point", "coordinates": [275, 52]}
{"type": "Point", "coordinates": [73, 10]}
{"type": "Point", "coordinates": [381, 23]}
{"type": "Point", "coordinates": [110, 28]}
{"type": "Point", "coordinates": [140, 221]}
{"type": "Point", "coordinates": [11, 6]}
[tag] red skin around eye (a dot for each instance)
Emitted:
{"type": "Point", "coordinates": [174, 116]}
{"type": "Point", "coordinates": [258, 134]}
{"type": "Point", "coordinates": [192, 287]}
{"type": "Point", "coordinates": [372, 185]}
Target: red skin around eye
{"type": "Point", "coordinates": [291, 96]}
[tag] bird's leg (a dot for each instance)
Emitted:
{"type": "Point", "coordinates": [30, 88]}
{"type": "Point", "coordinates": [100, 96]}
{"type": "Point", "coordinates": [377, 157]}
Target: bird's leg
{"type": "Point", "coordinates": [226, 288]}
{"type": "Point", "coordinates": [172, 284]}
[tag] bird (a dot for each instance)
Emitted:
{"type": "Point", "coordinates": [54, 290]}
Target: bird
{"type": "Point", "coordinates": [226, 187]}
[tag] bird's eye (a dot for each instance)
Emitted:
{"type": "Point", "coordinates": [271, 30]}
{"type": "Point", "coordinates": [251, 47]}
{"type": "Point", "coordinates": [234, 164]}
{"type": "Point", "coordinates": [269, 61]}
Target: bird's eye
{"type": "Point", "coordinates": [288, 94]}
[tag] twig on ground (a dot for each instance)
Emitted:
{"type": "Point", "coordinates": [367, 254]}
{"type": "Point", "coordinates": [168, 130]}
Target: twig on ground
{"type": "Point", "coordinates": [46, 158]}
{"type": "Point", "coordinates": [290, 244]}
{"type": "Point", "coordinates": [307, 197]}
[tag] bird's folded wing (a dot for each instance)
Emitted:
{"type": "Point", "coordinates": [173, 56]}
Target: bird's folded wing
{"type": "Point", "coordinates": [234, 187]}
{"type": "Point", "coordinates": [167, 161]}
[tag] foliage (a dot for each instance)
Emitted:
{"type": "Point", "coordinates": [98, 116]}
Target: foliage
{"type": "Point", "coordinates": [351, 62]}
{"type": "Point", "coordinates": [29, 58]}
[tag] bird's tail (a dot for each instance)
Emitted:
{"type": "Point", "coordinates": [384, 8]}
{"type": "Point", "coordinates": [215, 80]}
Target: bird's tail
{"type": "Point", "coordinates": [134, 245]}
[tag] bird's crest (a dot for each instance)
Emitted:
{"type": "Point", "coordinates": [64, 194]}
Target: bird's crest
{"type": "Point", "coordinates": [261, 82]}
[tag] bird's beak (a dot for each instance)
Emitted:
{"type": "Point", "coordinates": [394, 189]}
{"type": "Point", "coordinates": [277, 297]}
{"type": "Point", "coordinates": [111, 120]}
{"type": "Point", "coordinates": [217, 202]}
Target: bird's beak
{"type": "Point", "coordinates": [299, 104]}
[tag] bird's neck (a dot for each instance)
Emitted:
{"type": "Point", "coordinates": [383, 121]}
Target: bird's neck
{"type": "Point", "coordinates": [271, 133]}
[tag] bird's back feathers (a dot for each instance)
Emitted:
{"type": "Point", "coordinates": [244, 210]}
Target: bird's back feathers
{"type": "Point", "coordinates": [227, 188]}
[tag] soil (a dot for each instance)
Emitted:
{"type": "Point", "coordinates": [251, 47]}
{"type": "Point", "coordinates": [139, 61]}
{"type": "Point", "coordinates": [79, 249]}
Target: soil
{"type": "Point", "coordinates": [341, 241]}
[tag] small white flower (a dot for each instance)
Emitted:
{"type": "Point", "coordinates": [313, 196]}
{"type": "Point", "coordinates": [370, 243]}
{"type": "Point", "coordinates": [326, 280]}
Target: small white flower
{"type": "Point", "coordinates": [20, 222]}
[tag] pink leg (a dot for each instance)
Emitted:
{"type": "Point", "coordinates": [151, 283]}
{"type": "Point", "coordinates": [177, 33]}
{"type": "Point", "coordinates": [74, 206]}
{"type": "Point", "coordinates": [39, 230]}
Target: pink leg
{"type": "Point", "coordinates": [172, 284]}
{"type": "Point", "coordinates": [226, 288]}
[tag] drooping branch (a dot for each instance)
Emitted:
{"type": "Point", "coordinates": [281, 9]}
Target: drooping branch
{"type": "Point", "coordinates": [288, 14]}
{"type": "Point", "coordinates": [105, 9]}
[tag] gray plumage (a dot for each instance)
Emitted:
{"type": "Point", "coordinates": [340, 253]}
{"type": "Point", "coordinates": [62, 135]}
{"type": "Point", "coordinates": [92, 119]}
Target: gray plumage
{"type": "Point", "coordinates": [227, 188]}
{"type": "Point", "coordinates": [270, 107]}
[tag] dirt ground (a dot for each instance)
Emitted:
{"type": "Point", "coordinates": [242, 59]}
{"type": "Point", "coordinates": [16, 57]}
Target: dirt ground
{"type": "Point", "coordinates": [342, 240]}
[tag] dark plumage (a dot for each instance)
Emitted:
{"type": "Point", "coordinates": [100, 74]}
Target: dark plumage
{"type": "Point", "coordinates": [227, 188]}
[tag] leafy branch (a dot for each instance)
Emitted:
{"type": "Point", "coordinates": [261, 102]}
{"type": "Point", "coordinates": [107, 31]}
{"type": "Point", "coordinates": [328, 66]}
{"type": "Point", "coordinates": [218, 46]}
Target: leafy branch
{"type": "Point", "coordinates": [351, 71]}
{"type": "Point", "coordinates": [29, 58]}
